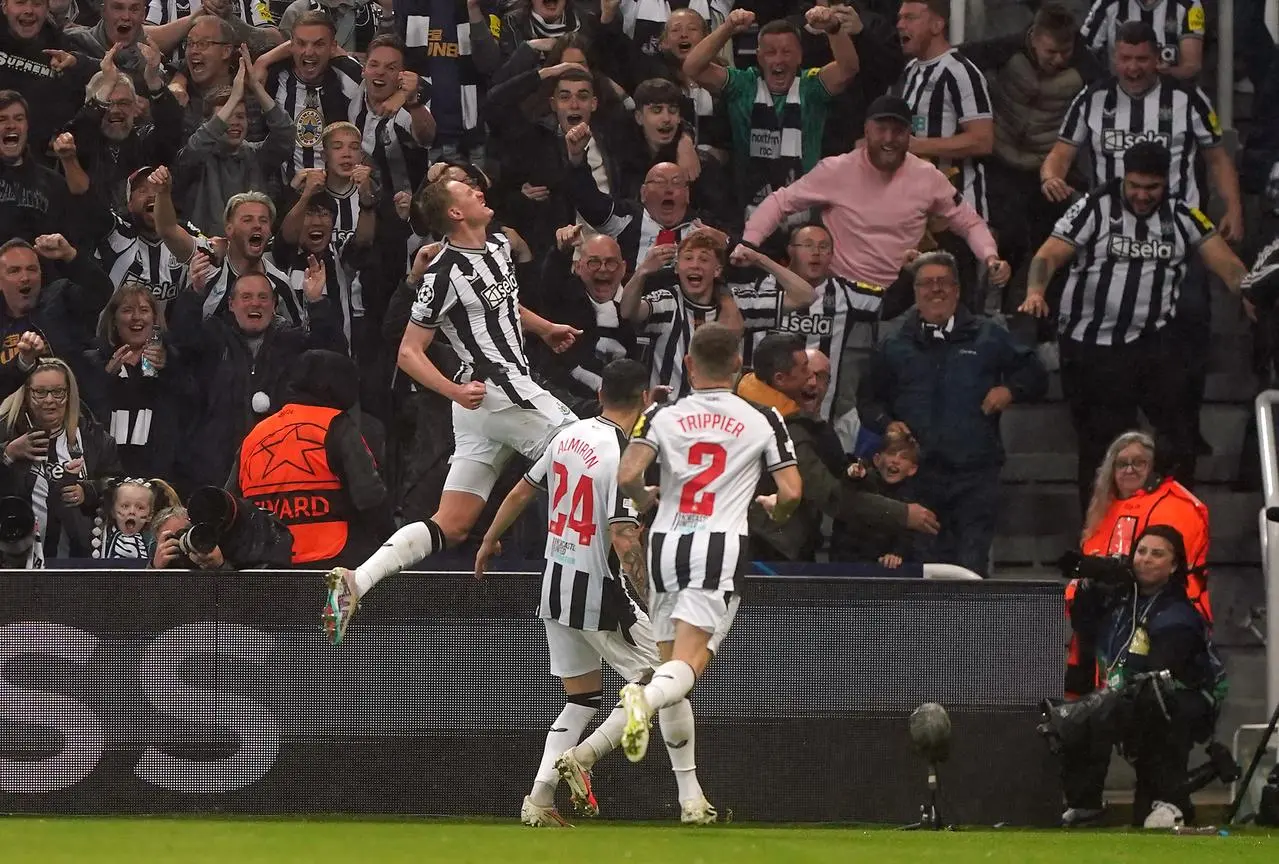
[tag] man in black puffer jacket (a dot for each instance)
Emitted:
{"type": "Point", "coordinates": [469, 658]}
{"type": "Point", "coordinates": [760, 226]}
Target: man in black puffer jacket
{"type": "Point", "coordinates": [242, 359]}
{"type": "Point", "coordinates": [944, 377]}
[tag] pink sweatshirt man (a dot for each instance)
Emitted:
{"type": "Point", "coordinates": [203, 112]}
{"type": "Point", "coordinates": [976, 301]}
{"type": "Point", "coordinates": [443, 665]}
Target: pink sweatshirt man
{"type": "Point", "coordinates": [873, 217]}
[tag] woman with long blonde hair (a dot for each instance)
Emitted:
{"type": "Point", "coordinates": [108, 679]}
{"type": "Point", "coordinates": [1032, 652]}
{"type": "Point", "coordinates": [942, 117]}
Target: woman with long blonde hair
{"type": "Point", "coordinates": [54, 457]}
{"type": "Point", "coordinates": [1129, 496]}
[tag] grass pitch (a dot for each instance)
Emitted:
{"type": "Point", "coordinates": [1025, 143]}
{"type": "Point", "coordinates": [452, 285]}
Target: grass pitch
{"type": "Point", "coordinates": [248, 841]}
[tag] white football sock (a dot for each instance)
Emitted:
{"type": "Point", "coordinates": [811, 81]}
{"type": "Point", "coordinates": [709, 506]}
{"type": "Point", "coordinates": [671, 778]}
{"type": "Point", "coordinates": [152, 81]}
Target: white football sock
{"type": "Point", "coordinates": [602, 741]}
{"type": "Point", "coordinates": [671, 683]}
{"type": "Point", "coordinates": [406, 547]}
{"type": "Point", "coordinates": [678, 733]}
{"type": "Point", "coordinates": [564, 733]}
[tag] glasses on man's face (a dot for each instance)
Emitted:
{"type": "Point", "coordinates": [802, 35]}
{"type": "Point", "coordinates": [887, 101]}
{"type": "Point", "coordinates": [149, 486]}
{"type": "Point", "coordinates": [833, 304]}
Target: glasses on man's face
{"type": "Point", "coordinates": [1132, 464]}
{"type": "Point", "coordinates": [810, 246]}
{"type": "Point", "coordinates": [46, 394]}
{"type": "Point", "coordinates": [204, 44]}
{"type": "Point", "coordinates": [594, 263]}
{"type": "Point", "coordinates": [677, 183]}
{"type": "Point", "coordinates": [121, 103]}
{"type": "Point", "coordinates": [935, 282]}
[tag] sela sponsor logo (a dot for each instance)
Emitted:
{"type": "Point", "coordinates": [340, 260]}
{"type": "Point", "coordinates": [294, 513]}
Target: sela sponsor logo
{"type": "Point", "coordinates": [809, 325]}
{"type": "Point", "coordinates": [65, 737]}
{"type": "Point", "coordinates": [1127, 247]}
{"type": "Point", "coordinates": [1119, 140]}
{"type": "Point", "coordinates": [495, 293]}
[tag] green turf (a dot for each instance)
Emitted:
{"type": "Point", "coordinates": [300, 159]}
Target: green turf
{"type": "Point", "coordinates": [232, 841]}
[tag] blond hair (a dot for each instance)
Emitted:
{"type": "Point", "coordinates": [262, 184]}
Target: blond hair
{"type": "Point", "coordinates": [1104, 491]}
{"type": "Point", "coordinates": [14, 405]}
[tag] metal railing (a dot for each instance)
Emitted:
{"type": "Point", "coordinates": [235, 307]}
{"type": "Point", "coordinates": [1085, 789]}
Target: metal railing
{"type": "Point", "coordinates": [1269, 533]}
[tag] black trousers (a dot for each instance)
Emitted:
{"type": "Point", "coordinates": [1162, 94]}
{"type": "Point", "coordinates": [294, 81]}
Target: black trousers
{"type": "Point", "coordinates": [1158, 748]}
{"type": "Point", "coordinates": [1106, 386]}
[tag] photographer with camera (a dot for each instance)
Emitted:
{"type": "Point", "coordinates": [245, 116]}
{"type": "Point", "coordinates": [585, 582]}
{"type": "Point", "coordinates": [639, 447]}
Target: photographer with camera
{"type": "Point", "coordinates": [170, 527]}
{"type": "Point", "coordinates": [218, 531]}
{"type": "Point", "coordinates": [1163, 684]}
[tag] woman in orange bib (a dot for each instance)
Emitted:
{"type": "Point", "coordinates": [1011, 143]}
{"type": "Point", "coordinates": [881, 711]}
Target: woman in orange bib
{"type": "Point", "coordinates": [1127, 496]}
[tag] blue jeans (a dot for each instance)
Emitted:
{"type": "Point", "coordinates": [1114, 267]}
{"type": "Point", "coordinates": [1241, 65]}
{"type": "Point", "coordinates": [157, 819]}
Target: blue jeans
{"type": "Point", "coordinates": [966, 503]}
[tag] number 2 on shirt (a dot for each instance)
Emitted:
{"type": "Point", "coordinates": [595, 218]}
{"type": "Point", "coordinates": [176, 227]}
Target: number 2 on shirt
{"type": "Point", "coordinates": [581, 511]}
{"type": "Point", "coordinates": [693, 500]}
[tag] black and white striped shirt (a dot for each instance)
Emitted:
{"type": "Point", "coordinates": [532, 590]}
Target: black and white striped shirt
{"type": "Point", "coordinates": [313, 106]}
{"type": "Point", "coordinates": [578, 470]}
{"type": "Point", "coordinates": [289, 306]}
{"type": "Point", "coordinates": [1106, 120]}
{"type": "Point", "coordinates": [127, 256]}
{"type": "Point", "coordinates": [342, 285]}
{"type": "Point", "coordinates": [712, 447]}
{"type": "Point", "coordinates": [388, 141]}
{"type": "Point", "coordinates": [1127, 270]}
{"type": "Point", "coordinates": [1172, 21]}
{"type": "Point", "coordinates": [673, 317]}
{"type": "Point", "coordinates": [945, 93]}
{"type": "Point", "coordinates": [166, 11]}
{"type": "Point", "coordinates": [473, 297]}
{"type": "Point", "coordinates": [845, 314]}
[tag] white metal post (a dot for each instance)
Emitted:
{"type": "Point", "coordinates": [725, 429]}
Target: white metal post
{"type": "Point", "coordinates": [1272, 21]}
{"type": "Point", "coordinates": [1266, 443]}
{"type": "Point", "coordinates": [959, 18]}
{"type": "Point", "coordinates": [1226, 64]}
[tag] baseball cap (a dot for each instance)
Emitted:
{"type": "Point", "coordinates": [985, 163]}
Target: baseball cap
{"type": "Point", "coordinates": [890, 108]}
{"type": "Point", "coordinates": [137, 177]}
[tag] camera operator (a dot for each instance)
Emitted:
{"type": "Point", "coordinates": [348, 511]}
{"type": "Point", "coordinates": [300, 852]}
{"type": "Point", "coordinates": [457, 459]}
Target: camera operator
{"type": "Point", "coordinates": [1137, 614]}
{"type": "Point", "coordinates": [168, 555]}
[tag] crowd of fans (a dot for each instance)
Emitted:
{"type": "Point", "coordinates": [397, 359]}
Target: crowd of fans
{"type": "Point", "coordinates": [192, 197]}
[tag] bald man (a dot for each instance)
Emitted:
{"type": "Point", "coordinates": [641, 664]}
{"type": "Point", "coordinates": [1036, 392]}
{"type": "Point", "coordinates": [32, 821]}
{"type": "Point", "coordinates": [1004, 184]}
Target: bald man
{"type": "Point", "coordinates": [662, 216]}
{"type": "Point", "coordinates": [582, 280]}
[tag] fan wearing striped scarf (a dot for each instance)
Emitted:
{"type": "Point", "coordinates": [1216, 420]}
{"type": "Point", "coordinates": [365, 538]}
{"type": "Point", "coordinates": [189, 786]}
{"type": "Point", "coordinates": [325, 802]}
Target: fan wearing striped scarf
{"type": "Point", "coordinates": [538, 19]}
{"type": "Point", "coordinates": [777, 111]}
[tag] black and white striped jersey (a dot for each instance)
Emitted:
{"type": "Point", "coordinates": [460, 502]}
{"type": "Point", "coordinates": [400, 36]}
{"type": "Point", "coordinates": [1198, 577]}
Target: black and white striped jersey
{"type": "Point", "coordinates": [313, 106]}
{"type": "Point", "coordinates": [1127, 269]}
{"type": "Point", "coordinates": [673, 317]}
{"type": "Point", "coordinates": [342, 285]}
{"type": "Point", "coordinates": [1172, 21]}
{"type": "Point", "coordinates": [712, 448]}
{"type": "Point", "coordinates": [166, 11]}
{"type": "Point", "coordinates": [578, 470]}
{"type": "Point", "coordinates": [945, 93]}
{"type": "Point", "coordinates": [473, 297]}
{"type": "Point", "coordinates": [1107, 121]}
{"type": "Point", "coordinates": [289, 305]}
{"type": "Point", "coordinates": [254, 12]}
{"type": "Point", "coordinates": [127, 256]}
{"type": "Point", "coordinates": [389, 142]}
{"type": "Point", "coordinates": [845, 313]}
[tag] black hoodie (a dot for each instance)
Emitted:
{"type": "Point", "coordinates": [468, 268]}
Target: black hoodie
{"type": "Point", "coordinates": [52, 97]}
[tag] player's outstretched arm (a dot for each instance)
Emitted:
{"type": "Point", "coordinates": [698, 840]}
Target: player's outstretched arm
{"type": "Point", "coordinates": [790, 488]}
{"type": "Point", "coordinates": [505, 517]}
{"type": "Point", "coordinates": [630, 475]}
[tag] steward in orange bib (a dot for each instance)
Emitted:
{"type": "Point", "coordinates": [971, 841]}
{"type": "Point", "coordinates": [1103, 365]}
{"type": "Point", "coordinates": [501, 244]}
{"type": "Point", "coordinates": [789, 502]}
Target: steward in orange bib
{"type": "Point", "coordinates": [308, 465]}
{"type": "Point", "coordinates": [1127, 498]}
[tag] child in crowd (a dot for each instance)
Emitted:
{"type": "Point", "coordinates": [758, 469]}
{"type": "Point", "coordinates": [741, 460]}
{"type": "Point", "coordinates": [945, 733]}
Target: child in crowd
{"type": "Point", "coordinates": [130, 504]}
{"type": "Point", "coordinates": [891, 467]}
{"type": "Point", "coordinates": [217, 162]}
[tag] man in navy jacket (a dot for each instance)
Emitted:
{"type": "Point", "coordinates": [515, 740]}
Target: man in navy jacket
{"type": "Point", "coordinates": [944, 377]}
